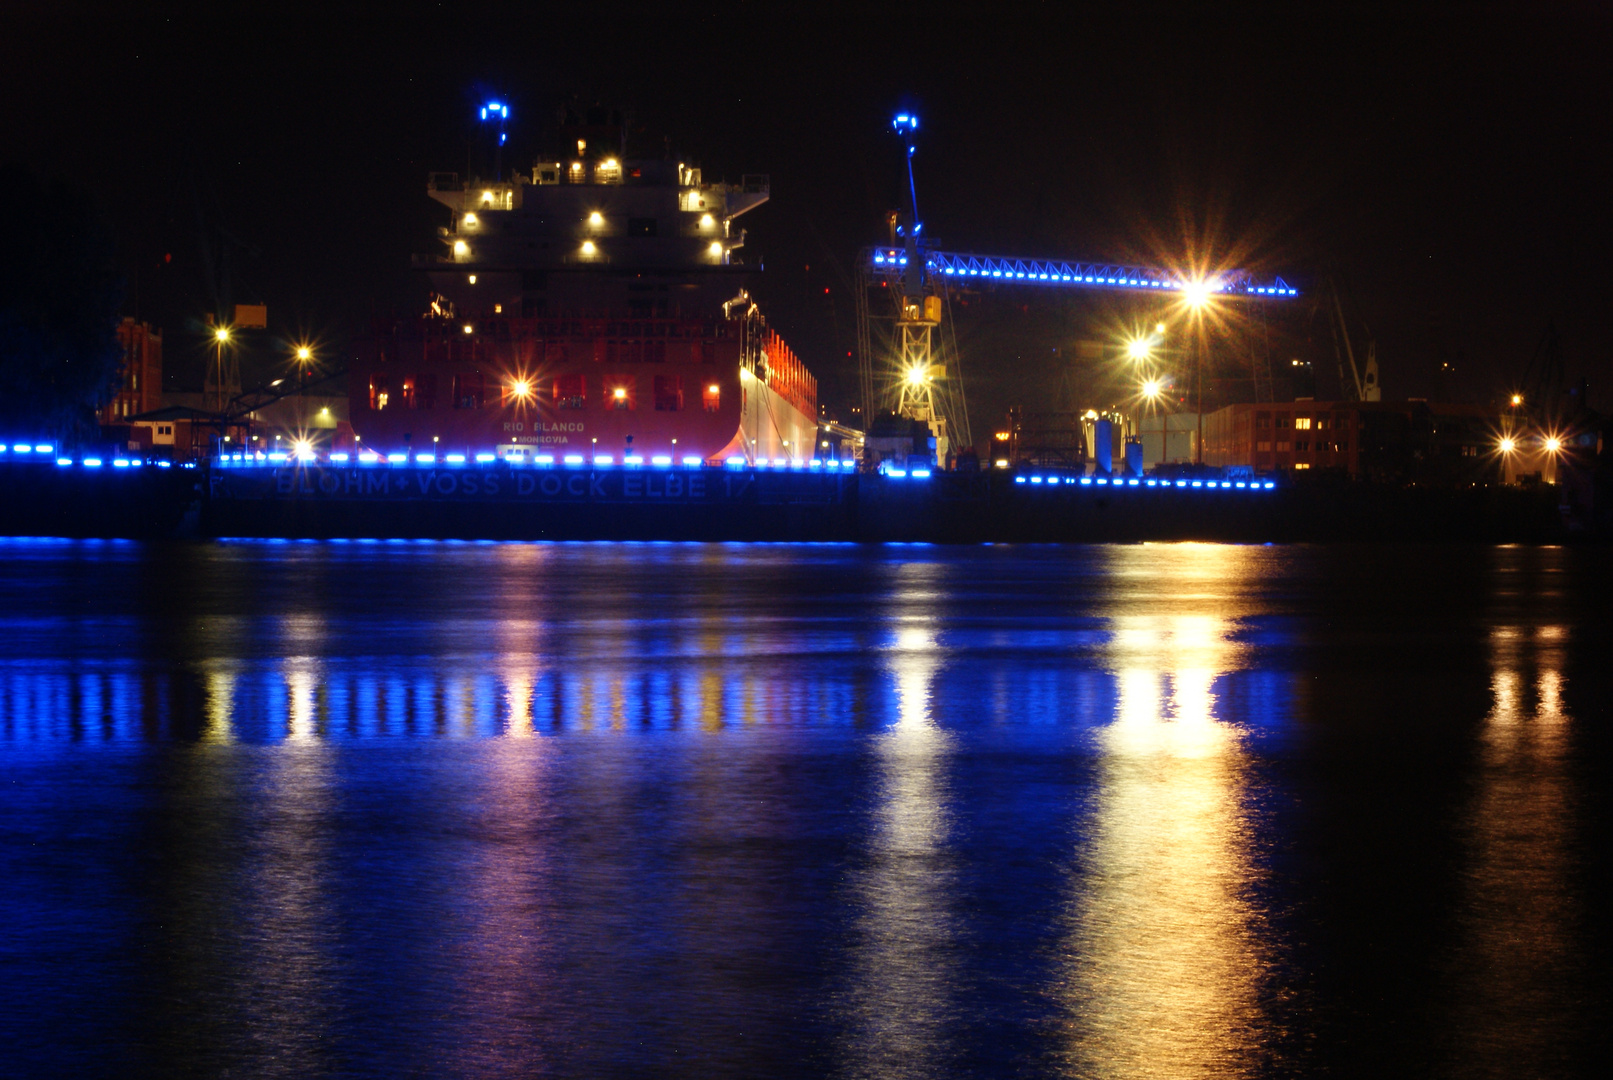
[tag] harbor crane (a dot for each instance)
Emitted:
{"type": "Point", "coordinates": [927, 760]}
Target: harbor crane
{"type": "Point", "coordinates": [923, 276]}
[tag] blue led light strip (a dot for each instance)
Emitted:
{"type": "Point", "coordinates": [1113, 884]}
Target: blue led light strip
{"type": "Point", "coordinates": [889, 262]}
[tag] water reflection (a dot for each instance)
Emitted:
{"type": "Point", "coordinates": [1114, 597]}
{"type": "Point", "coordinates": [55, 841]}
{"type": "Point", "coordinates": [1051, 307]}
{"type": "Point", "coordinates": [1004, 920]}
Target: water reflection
{"type": "Point", "coordinates": [898, 1003]}
{"type": "Point", "coordinates": [1165, 960]}
{"type": "Point", "coordinates": [1519, 909]}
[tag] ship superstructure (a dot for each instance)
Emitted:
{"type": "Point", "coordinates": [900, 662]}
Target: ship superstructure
{"type": "Point", "coordinates": [589, 305]}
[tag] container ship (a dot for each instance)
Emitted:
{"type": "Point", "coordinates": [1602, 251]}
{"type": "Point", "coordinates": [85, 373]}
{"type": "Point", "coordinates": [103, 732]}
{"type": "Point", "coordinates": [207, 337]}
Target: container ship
{"type": "Point", "coordinates": [591, 309]}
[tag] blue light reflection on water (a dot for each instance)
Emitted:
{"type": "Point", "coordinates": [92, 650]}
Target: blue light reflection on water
{"type": "Point", "coordinates": [728, 809]}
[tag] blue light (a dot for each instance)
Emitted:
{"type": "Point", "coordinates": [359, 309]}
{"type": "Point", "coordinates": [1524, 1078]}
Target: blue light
{"type": "Point", "coordinates": [779, 463]}
{"type": "Point", "coordinates": [921, 474]}
{"type": "Point", "coordinates": [92, 463]}
{"type": "Point", "coordinates": [277, 456]}
{"type": "Point", "coordinates": [1240, 483]}
{"type": "Point", "coordinates": [632, 459]}
{"type": "Point", "coordinates": [692, 462]}
{"type": "Point", "coordinates": [64, 461]}
{"type": "Point", "coordinates": [662, 461]}
{"type": "Point", "coordinates": [23, 449]}
{"type": "Point", "coordinates": [343, 457]}
{"type": "Point", "coordinates": [1268, 485]}
{"type": "Point", "coordinates": [43, 448]}
{"type": "Point", "coordinates": [1086, 481]}
{"type": "Point", "coordinates": [484, 459]}
{"type": "Point", "coordinates": [1036, 479]}
{"type": "Point", "coordinates": [453, 459]}
{"type": "Point", "coordinates": [426, 459]}
{"type": "Point", "coordinates": [573, 459]}
{"type": "Point", "coordinates": [502, 137]}
{"type": "Point", "coordinates": [1198, 483]}
{"type": "Point", "coordinates": [397, 458]}
{"type": "Point", "coordinates": [1151, 483]}
{"type": "Point", "coordinates": [1131, 483]}
{"type": "Point", "coordinates": [1181, 483]}
{"type": "Point", "coordinates": [896, 472]}
{"type": "Point", "coordinates": [545, 459]}
{"type": "Point", "coordinates": [121, 463]}
{"type": "Point", "coordinates": [1019, 479]}
{"type": "Point", "coordinates": [603, 459]}
{"type": "Point", "coordinates": [160, 464]}
{"type": "Point", "coordinates": [736, 462]}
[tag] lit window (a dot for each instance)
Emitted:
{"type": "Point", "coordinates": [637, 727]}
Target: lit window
{"type": "Point", "coordinates": [1302, 423]}
{"type": "Point", "coordinates": [711, 398]}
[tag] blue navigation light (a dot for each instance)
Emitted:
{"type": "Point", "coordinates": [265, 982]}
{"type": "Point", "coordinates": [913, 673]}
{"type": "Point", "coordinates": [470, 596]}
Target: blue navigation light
{"type": "Point", "coordinates": [573, 459]}
{"type": "Point", "coordinates": [1019, 479]}
{"type": "Point", "coordinates": [92, 462]}
{"type": "Point", "coordinates": [896, 472]}
{"type": "Point", "coordinates": [64, 461]}
{"type": "Point", "coordinates": [1181, 483]}
{"type": "Point", "coordinates": [22, 448]}
{"type": "Point", "coordinates": [1151, 483]}
{"type": "Point", "coordinates": [454, 459]}
{"type": "Point", "coordinates": [1240, 483]}
{"type": "Point", "coordinates": [1198, 483]}
{"type": "Point", "coordinates": [545, 459]}
{"type": "Point", "coordinates": [343, 457]}
{"type": "Point", "coordinates": [1101, 480]}
{"type": "Point", "coordinates": [1036, 479]}
{"type": "Point", "coordinates": [121, 463]}
{"type": "Point", "coordinates": [692, 462]}
{"type": "Point", "coordinates": [603, 459]}
{"type": "Point", "coordinates": [425, 459]}
{"type": "Point", "coordinates": [397, 458]}
{"type": "Point", "coordinates": [878, 257]}
{"type": "Point", "coordinates": [160, 464]}
{"type": "Point", "coordinates": [43, 448]}
{"type": "Point", "coordinates": [1131, 483]}
{"type": "Point", "coordinates": [632, 459]}
{"type": "Point", "coordinates": [921, 474]}
{"type": "Point", "coordinates": [662, 461]}
{"type": "Point", "coordinates": [484, 459]}
{"type": "Point", "coordinates": [1086, 481]}
{"type": "Point", "coordinates": [736, 461]}
{"type": "Point", "coordinates": [1268, 485]}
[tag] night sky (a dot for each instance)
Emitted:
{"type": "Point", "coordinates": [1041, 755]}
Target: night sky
{"type": "Point", "coordinates": [1450, 172]}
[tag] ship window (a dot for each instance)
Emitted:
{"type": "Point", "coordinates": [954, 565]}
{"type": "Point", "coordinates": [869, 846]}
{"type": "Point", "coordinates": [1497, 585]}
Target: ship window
{"type": "Point", "coordinates": [1321, 423]}
{"type": "Point", "coordinates": [640, 226]}
{"type": "Point", "coordinates": [1282, 447]}
{"type": "Point", "coordinates": [1263, 447]}
{"type": "Point", "coordinates": [425, 391]}
{"type": "Point", "coordinates": [468, 390]}
{"type": "Point", "coordinates": [380, 391]}
{"type": "Point", "coordinates": [568, 392]}
{"type": "Point", "coordinates": [1263, 420]}
{"type": "Point", "coordinates": [407, 396]}
{"type": "Point", "coordinates": [621, 395]}
{"type": "Point", "coordinates": [1282, 421]}
{"type": "Point", "coordinates": [711, 397]}
{"type": "Point", "coordinates": [1302, 445]}
{"type": "Point", "coordinates": [668, 393]}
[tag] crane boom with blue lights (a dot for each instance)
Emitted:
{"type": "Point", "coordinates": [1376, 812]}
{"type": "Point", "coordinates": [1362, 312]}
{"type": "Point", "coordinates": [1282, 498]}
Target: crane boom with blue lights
{"type": "Point", "coordinates": [923, 277]}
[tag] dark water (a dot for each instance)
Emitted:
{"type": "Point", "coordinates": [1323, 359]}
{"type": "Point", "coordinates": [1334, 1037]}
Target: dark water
{"type": "Point", "coordinates": [423, 809]}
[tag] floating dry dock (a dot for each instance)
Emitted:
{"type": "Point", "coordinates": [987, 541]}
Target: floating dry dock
{"type": "Point", "coordinates": [51, 494]}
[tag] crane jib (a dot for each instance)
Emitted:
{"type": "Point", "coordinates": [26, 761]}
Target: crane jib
{"type": "Point", "coordinates": [893, 262]}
